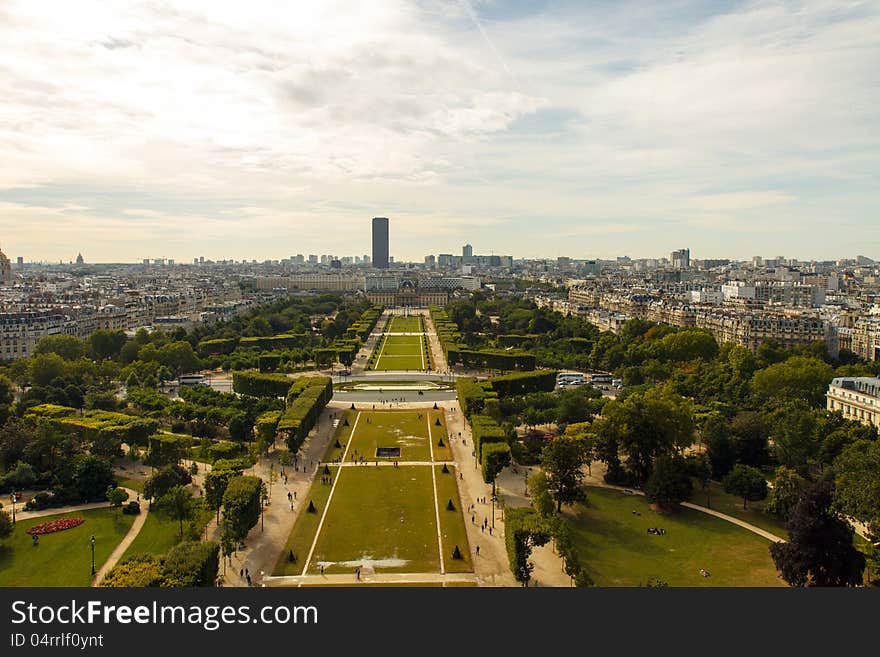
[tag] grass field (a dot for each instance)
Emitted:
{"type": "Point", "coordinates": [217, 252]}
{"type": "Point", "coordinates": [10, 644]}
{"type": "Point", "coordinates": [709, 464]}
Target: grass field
{"type": "Point", "coordinates": [380, 516]}
{"type": "Point", "coordinates": [400, 324]}
{"type": "Point", "coordinates": [385, 516]}
{"type": "Point", "coordinates": [160, 533]}
{"type": "Point", "coordinates": [62, 558]}
{"type": "Point", "coordinates": [134, 484]}
{"type": "Point", "coordinates": [733, 506]}
{"type": "Point", "coordinates": [400, 352]}
{"type": "Point", "coordinates": [614, 546]}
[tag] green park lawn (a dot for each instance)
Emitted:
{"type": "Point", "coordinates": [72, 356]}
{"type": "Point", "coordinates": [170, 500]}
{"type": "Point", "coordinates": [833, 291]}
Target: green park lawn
{"type": "Point", "coordinates": [134, 484]}
{"type": "Point", "coordinates": [401, 429]}
{"type": "Point", "coordinates": [300, 540]}
{"type": "Point", "coordinates": [732, 505]}
{"type": "Point", "coordinates": [615, 548]}
{"type": "Point", "coordinates": [364, 516]}
{"type": "Point", "coordinates": [452, 528]}
{"type": "Point", "coordinates": [61, 558]}
{"type": "Point", "coordinates": [406, 324]}
{"type": "Point", "coordinates": [160, 533]}
{"type": "Point", "coordinates": [400, 352]}
{"type": "Point", "coordinates": [382, 515]}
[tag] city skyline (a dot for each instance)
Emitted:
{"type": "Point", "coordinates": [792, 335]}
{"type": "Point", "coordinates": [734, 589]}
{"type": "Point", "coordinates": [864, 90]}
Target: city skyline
{"type": "Point", "coordinates": [251, 132]}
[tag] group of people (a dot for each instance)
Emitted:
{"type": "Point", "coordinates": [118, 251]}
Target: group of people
{"type": "Point", "coordinates": [658, 531]}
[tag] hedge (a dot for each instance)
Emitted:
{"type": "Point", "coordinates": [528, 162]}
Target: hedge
{"type": "Point", "coordinates": [268, 362]}
{"type": "Point", "coordinates": [305, 401]}
{"type": "Point", "coordinates": [257, 384]}
{"type": "Point", "coordinates": [96, 425]}
{"type": "Point", "coordinates": [495, 457]}
{"type": "Point", "coordinates": [267, 426]}
{"type": "Point", "coordinates": [472, 395]}
{"type": "Point", "coordinates": [221, 346]}
{"type": "Point", "coordinates": [510, 340]}
{"type": "Point", "coordinates": [492, 359]}
{"type": "Point", "coordinates": [523, 383]}
{"type": "Point", "coordinates": [273, 342]}
{"type": "Point", "coordinates": [485, 430]}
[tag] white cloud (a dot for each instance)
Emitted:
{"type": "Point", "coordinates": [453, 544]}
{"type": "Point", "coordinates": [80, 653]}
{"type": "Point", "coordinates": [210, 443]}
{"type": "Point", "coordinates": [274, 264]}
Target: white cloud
{"type": "Point", "coordinates": [323, 114]}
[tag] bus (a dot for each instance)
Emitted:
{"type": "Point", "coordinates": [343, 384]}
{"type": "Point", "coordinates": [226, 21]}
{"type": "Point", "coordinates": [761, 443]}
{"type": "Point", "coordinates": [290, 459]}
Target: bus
{"type": "Point", "coordinates": [601, 380]}
{"type": "Point", "coordinates": [564, 379]}
{"type": "Point", "coordinates": [192, 380]}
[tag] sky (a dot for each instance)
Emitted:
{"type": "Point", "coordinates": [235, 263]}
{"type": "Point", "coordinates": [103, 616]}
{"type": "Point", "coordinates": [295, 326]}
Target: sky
{"type": "Point", "coordinates": [532, 128]}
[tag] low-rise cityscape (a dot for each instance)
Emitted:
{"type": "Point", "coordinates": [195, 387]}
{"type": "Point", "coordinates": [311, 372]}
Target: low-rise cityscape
{"type": "Point", "coordinates": [790, 301]}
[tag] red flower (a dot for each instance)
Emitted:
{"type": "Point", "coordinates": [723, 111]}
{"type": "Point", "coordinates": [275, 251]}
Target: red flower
{"type": "Point", "coordinates": [55, 525]}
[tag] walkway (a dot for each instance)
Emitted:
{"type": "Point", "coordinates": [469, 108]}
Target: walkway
{"type": "Point", "coordinates": [27, 515]}
{"type": "Point", "coordinates": [347, 579]}
{"type": "Point", "coordinates": [598, 483]}
{"type": "Point", "coordinates": [265, 542]}
{"type": "Point", "coordinates": [133, 531]}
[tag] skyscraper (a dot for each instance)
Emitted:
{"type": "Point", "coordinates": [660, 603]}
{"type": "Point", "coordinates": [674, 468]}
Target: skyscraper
{"type": "Point", "coordinates": [467, 251]}
{"type": "Point", "coordinates": [380, 242]}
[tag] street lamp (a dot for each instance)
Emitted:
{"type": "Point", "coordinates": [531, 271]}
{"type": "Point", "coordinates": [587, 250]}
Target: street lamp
{"type": "Point", "coordinates": [92, 541]}
{"type": "Point", "coordinates": [14, 500]}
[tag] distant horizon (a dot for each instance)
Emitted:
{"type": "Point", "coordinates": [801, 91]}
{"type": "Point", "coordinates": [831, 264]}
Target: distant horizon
{"type": "Point", "coordinates": [189, 261]}
{"type": "Point", "coordinates": [542, 128]}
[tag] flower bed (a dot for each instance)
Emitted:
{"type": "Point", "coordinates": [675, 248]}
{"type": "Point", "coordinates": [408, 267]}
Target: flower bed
{"type": "Point", "coordinates": [56, 525]}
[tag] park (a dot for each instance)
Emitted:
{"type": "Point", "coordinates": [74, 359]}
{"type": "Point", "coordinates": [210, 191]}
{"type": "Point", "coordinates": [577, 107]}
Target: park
{"type": "Point", "coordinates": [383, 514]}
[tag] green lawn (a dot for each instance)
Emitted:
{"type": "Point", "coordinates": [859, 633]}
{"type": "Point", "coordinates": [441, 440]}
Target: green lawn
{"type": "Point", "coordinates": [452, 527]}
{"type": "Point", "coordinates": [381, 515]}
{"type": "Point", "coordinates": [733, 506]}
{"type": "Point", "coordinates": [403, 429]}
{"type": "Point", "coordinates": [303, 533]}
{"type": "Point", "coordinates": [62, 558]}
{"type": "Point", "coordinates": [400, 352]}
{"type": "Point", "coordinates": [614, 546]}
{"type": "Point", "coordinates": [160, 533]}
{"type": "Point", "coordinates": [134, 484]}
{"type": "Point", "coordinates": [401, 324]}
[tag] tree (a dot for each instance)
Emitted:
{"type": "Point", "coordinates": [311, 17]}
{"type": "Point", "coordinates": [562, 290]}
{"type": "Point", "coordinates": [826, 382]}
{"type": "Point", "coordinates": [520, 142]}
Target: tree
{"type": "Point", "coordinates": [793, 427]}
{"type": "Point", "coordinates": [178, 504]}
{"type": "Point", "coordinates": [785, 490]}
{"type": "Point", "coordinates": [746, 482]}
{"type": "Point", "coordinates": [563, 461]}
{"type": "Point", "coordinates": [819, 551]}
{"type": "Point", "coordinates": [6, 525]}
{"type": "Point", "coordinates": [117, 496]}
{"type": "Point", "coordinates": [719, 444]}
{"type": "Point", "coordinates": [21, 476]}
{"type": "Point", "coordinates": [106, 344]}
{"type": "Point", "coordinates": [799, 377]}
{"type": "Point", "coordinates": [67, 347]}
{"type": "Point", "coordinates": [749, 435]}
{"type": "Point", "coordinates": [495, 457]}
{"type": "Point", "coordinates": [540, 493]}
{"type": "Point", "coordinates": [45, 368]}
{"type": "Point", "coordinates": [241, 506]}
{"type": "Point", "coordinates": [216, 482]}
{"type": "Point", "coordinates": [857, 484]}
{"type": "Point", "coordinates": [164, 479]}
{"type": "Point", "coordinates": [524, 529]}
{"type": "Point", "coordinates": [650, 424]}
{"type": "Point", "coordinates": [669, 484]}
{"type": "Point", "coordinates": [93, 475]}
{"type": "Point", "coordinates": [192, 563]}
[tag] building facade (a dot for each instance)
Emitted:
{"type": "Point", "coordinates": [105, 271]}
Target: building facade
{"type": "Point", "coordinates": [380, 242]}
{"type": "Point", "coordinates": [857, 398]}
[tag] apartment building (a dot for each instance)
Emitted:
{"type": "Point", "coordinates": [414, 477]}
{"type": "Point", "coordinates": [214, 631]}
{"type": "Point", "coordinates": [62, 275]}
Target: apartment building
{"type": "Point", "coordinates": [857, 398]}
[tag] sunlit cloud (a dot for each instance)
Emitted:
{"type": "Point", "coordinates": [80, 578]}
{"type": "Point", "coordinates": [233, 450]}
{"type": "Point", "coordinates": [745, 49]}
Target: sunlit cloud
{"type": "Point", "coordinates": [261, 129]}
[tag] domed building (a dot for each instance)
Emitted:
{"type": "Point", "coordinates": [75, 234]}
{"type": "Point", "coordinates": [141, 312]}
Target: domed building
{"type": "Point", "coordinates": [406, 294]}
